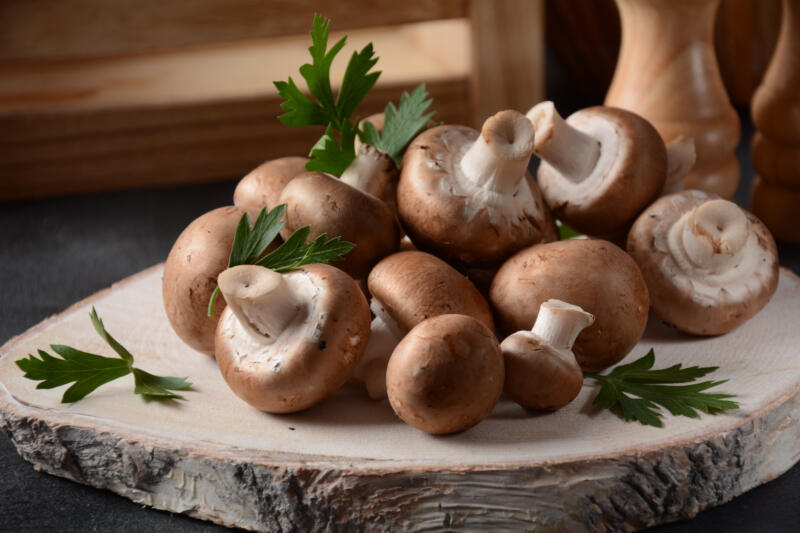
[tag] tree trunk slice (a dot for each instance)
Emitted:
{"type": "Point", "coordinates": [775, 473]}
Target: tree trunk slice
{"type": "Point", "coordinates": [350, 464]}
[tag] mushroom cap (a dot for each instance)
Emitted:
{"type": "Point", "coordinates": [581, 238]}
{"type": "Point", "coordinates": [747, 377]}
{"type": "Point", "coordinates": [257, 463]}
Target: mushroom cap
{"type": "Point", "coordinates": [446, 375]}
{"type": "Point", "coordinates": [199, 254]}
{"type": "Point", "coordinates": [443, 218]}
{"type": "Point", "coordinates": [413, 286]}
{"type": "Point", "coordinates": [693, 300]}
{"type": "Point", "coordinates": [628, 176]}
{"type": "Point", "coordinates": [330, 206]}
{"type": "Point", "coordinates": [591, 273]}
{"type": "Point", "coordinates": [311, 358]}
{"type": "Point", "coordinates": [263, 185]}
{"type": "Point", "coordinates": [538, 376]}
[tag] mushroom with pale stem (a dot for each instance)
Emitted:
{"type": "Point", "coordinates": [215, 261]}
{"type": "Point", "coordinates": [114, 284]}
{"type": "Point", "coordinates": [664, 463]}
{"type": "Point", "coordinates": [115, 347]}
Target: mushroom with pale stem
{"type": "Point", "coordinates": [468, 197]}
{"type": "Point", "coordinates": [263, 185]}
{"type": "Point", "coordinates": [601, 166]}
{"type": "Point", "coordinates": [591, 273]}
{"type": "Point", "coordinates": [286, 342]}
{"type": "Point", "coordinates": [199, 254]}
{"type": "Point", "coordinates": [446, 375]}
{"type": "Point", "coordinates": [407, 288]}
{"type": "Point", "coordinates": [709, 265]}
{"type": "Point", "coordinates": [541, 370]}
{"type": "Point", "coordinates": [349, 207]}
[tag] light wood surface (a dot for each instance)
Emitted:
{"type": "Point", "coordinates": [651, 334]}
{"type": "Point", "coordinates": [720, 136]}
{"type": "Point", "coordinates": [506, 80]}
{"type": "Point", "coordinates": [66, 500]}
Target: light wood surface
{"type": "Point", "coordinates": [350, 462]}
{"type": "Point", "coordinates": [667, 72]}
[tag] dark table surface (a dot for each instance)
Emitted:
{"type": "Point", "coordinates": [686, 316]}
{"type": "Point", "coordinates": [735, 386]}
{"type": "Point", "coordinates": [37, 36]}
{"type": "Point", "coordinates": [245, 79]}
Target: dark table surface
{"type": "Point", "coordinates": [55, 252]}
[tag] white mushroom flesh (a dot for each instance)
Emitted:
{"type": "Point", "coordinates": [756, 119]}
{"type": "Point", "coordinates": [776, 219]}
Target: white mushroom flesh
{"type": "Point", "coordinates": [385, 334]}
{"type": "Point", "coordinates": [367, 172]}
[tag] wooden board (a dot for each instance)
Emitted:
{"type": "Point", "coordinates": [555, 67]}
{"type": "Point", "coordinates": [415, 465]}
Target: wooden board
{"type": "Point", "coordinates": [350, 462]}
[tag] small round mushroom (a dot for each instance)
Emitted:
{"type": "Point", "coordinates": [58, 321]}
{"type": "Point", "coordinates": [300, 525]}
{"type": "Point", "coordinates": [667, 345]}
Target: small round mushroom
{"type": "Point", "coordinates": [287, 342]}
{"type": "Point", "coordinates": [541, 370]}
{"type": "Point", "coordinates": [263, 185]}
{"type": "Point", "coordinates": [600, 168]}
{"type": "Point", "coordinates": [709, 265]}
{"type": "Point", "coordinates": [407, 288]}
{"type": "Point", "coordinates": [468, 197]}
{"type": "Point", "coordinates": [190, 276]}
{"type": "Point", "coordinates": [591, 273]}
{"type": "Point", "coordinates": [446, 375]}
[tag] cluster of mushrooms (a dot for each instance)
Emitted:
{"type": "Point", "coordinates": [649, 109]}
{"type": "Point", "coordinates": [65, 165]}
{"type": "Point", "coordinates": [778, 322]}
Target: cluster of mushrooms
{"type": "Point", "coordinates": [459, 248]}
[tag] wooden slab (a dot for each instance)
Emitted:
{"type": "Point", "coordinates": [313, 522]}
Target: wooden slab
{"type": "Point", "coordinates": [350, 463]}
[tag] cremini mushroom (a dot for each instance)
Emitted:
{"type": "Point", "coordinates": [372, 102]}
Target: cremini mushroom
{"type": "Point", "coordinates": [591, 273]}
{"type": "Point", "coordinates": [263, 185]}
{"type": "Point", "coordinates": [407, 288]}
{"type": "Point", "coordinates": [446, 375]}
{"type": "Point", "coordinates": [190, 275]}
{"type": "Point", "coordinates": [600, 168]}
{"type": "Point", "coordinates": [709, 265]}
{"type": "Point", "coordinates": [288, 341]}
{"type": "Point", "coordinates": [349, 207]}
{"type": "Point", "coordinates": [467, 196]}
{"type": "Point", "coordinates": [541, 370]}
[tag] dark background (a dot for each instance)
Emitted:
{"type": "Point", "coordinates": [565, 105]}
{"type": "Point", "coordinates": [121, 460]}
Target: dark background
{"type": "Point", "coordinates": [57, 251]}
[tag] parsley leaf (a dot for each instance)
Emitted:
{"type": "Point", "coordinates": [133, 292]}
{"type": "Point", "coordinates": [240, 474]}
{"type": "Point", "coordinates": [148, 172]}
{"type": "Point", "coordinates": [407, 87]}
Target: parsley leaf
{"type": "Point", "coordinates": [637, 392]}
{"type": "Point", "coordinates": [88, 371]}
{"type": "Point", "coordinates": [321, 108]}
{"type": "Point", "coordinates": [401, 124]}
{"type": "Point", "coordinates": [566, 233]}
{"type": "Point", "coordinates": [250, 244]}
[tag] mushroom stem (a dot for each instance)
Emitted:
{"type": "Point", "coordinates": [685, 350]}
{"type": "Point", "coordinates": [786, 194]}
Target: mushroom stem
{"type": "Point", "coordinates": [713, 234]}
{"type": "Point", "coordinates": [260, 298]}
{"type": "Point", "coordinates": [384, 334]}
{"type": "Point", "coordinates": [559, 323]}
{"type": "Point", "coordinates": [499, 158]}
{"type": "Point", "coordinates": [570, 151]}
{"type": "Point", "coordinates": [371, 171]}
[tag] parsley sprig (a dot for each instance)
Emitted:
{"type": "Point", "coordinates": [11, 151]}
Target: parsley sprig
{"type": "Point", "coordinates": [329, 155]}
{"type": "Point", "coordinates": [637, 392]}
{"type": "Point", "coordinates": [88, 371]}
{"type": "Point", "coordinates": [249, 244]}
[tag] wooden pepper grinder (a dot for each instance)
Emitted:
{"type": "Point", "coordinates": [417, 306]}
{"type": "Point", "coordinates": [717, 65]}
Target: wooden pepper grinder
{"type": "Point", "coordinates": [776, 146]}
{"type": "Point", "coordinates": [667, 72]}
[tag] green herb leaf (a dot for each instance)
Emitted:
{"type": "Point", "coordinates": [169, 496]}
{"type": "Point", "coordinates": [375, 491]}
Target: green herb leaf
{"type": "Point", "coordinates": [154, 387]}
{"type": "Point", "coordinates": [401, 124]}
{"type": "Point", "coordinates": [321, 108]}
{"type": "Point", "coordinates": [637, 392]}
{"type": "Point", "coordinates": [88, 371]}
{"type": "Point", "coordinates": [566, 233]}
{"type": "Point", "coordinates": [294, 253]}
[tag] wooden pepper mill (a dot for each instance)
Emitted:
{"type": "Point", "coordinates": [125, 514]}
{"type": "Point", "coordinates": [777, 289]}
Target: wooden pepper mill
{"type": "Point", "coordinates": [776, 146]}
{"type": "Point", "coordinates": [667, 72]}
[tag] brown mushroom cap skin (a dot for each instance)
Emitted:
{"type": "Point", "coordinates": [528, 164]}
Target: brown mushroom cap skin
{"type": "Point", "coordinates": [414, 286]}
{"type": "Point", "coordinates": [446, 375]}
{"type": "Point", "coordinates": [591, 273]}
{"type": "Point", "coordinates": [435, 221]}
{"type": "Point", "coordinates": [675, 301]}
{"type": "Point", "coordinates": [330, 206]}
{"type": "Point", "coordinates": [262, 187]}
{"type": "Point", "coordinates": [199, 254]}
{"type": "Point", "coordinates": [323, 355]}
{"type": "Point", "coordinates": [635, 180]}
{"type": "Point", "coordinates": [557, 381]}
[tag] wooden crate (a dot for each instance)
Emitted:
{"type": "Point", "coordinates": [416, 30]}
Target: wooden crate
{"type": "Point", "coordinates": [98, 95]}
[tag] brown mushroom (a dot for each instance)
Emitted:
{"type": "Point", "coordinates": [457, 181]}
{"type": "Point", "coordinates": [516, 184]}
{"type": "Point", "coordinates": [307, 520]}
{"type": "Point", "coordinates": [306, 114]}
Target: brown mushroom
{"type": "Point", "coordinates": [263, 185]}
{"type": "Point", "coordinates": [467, 196]}
{"type": "Point", "coordinates": [591, 273]}
{"type": "Point", "coordinates": [446, 375]}
{"type": "Point", "coordinates": [190, 276]}
{"type": "Point", "coordinates": [541, 370]}
{"type": "Point", "coordinates": [286, 342]}
{"type": "Point", "coordinates": [709, 265]}
{"type": "Point", "coordinates": [407, 288]}
{"type": "Point", "coordinates": [600, 168]}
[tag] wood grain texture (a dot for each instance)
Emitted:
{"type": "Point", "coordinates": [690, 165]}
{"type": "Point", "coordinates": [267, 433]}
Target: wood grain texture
{"type": "Point", "coordinates": [51, 29]}
{"type": "Point", "coordinates": [350, 464]}
{"type": "Point", "coordinates": [507, 56]}
{"type": "Point", "coordinates": [667, 72]}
